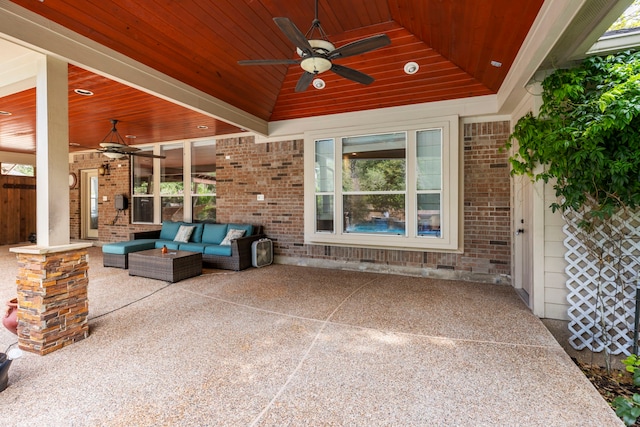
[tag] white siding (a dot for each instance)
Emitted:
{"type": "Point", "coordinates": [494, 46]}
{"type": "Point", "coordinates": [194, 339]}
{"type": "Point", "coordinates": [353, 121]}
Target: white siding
{"type": "Point", "coordinates": [555, 290]}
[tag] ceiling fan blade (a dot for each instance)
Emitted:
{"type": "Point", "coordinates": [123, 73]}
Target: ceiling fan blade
{"type": "Point", "coordinates": [268, 61]}
{"type": "Point", "coordinates": [361, 46]}
{"type": "Point", "coordinates": [143, 154]}
{"type": "Point", "coordinates": [304, 81]}
{"type": "Point", "coordinates": [293, 33]}
{"type": "Point", "coordinates": [117, 147]}
{"type": "Point", "coordinates": [351, 74]}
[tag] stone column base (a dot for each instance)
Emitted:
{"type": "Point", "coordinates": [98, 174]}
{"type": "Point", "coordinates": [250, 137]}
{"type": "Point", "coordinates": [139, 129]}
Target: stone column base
{"type": "Point", "coordinates": [52, 297]}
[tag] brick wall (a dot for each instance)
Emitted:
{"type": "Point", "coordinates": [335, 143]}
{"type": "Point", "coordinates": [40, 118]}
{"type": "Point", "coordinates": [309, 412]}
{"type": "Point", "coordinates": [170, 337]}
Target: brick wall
{"type": "Point", "coordinates": [276, 171]}
{"type": "Point", "coordinates": [116, 182]}
{"type": "Point", "coordinates": [487, 207]}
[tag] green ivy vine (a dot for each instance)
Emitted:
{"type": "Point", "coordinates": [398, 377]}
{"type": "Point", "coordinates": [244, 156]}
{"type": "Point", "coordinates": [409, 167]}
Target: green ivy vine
{"type": "Point", "coordinates": [586, 136]}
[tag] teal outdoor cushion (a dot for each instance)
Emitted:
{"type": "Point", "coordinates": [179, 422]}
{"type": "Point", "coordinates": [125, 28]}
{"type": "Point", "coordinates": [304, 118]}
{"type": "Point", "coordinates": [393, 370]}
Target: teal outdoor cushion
{"type": "Point", "coordinates": [196, 236]}
{"type": "Point", "coordinates": [218, 250]}
{"type": "Point", "coordinates": [192, 247]}
{"type": "Point", "coordinates": [170, 229]}
{"type": "Point", "coordinates": [170, 244]}
{"type": "Point", "coordinates": [214, 233]}
{"type": "Point", "coordinates": [123, 248]}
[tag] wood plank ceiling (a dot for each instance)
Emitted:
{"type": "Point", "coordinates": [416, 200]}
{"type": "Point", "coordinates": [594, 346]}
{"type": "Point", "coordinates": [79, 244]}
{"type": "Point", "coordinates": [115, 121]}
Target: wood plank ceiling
{"type": "Point", "coordinates": [200, 42]}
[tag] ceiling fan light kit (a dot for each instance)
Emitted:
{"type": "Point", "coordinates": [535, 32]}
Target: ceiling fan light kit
{"type": "Point", "coordinates": [317, 54]}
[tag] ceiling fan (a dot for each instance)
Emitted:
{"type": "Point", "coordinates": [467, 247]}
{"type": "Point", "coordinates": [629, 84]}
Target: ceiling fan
{"type": "Point", "coordinates": [116, 148]}
{"type": "Point", "coordinates": [317, 54]}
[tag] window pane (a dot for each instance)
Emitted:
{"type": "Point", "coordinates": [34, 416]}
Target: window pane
{"type": "Point", "coordinates": [203, 167]}
{"type": "Point", "coordinates": [171, 170]}
{"type": "Point", "coordinates": [374, 163]}
{"type": "Point", "coordinates": [172, 183]}
{"type": "Point", "coordinates": [17, 169]}
{"type": "Point", "coordinates": [142, 201]}
{"type": "Point", "coordinates": [142, 209]}
{"type": "Point", "coordinates": [142, 175]}
{"type": "Point", "coordinates": [374, 213]}
{"type": "Point", "coordinates": [324, 213]}
{"type": "Point", "coordinates": [203, 180]}
{"type": "Point", "coordinates": [204, 208]}
{"type": "Point", "coordinates": [429, 159]}
{"type": "Point", "coordinates": [172, 208]}
{"type": "Point", "coordinates": [325, 168]}
{"type": "Point", "coordinates": [93, 203]}
{"type": "Point", "coordinates": [429, 214]}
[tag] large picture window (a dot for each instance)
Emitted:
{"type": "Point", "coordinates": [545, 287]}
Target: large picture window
{"type": "Point", "coordinates": [374, 183]}
{"type": "Point", "coordinates": [396, 187]}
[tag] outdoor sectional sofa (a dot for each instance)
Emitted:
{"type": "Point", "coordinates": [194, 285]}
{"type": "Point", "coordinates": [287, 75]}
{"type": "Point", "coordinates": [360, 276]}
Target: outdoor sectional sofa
{"type": "Point", "coordinates": [206, 238]}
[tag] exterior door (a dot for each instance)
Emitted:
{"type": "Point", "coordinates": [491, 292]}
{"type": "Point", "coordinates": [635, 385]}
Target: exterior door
{"type": "Point", "coordinates": [89, 204]}
{"type": "Point", "coordinates": [523, 242]}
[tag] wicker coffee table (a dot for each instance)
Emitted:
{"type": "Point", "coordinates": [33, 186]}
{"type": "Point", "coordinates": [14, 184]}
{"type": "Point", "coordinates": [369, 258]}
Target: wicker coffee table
{"type": "Point", "coordinates": [170, 267]}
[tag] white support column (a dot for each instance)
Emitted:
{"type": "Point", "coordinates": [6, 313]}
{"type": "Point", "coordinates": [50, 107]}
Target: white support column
{"type": "Point", "coordinates": [52, 152]}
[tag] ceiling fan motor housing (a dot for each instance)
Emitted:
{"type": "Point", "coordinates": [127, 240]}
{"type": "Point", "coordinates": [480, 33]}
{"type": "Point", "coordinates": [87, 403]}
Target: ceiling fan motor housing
{"type": "Point", "coordinates": [317, 64]}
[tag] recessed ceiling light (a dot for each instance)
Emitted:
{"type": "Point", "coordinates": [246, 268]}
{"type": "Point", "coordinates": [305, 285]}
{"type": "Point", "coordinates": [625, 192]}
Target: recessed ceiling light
{"type": "Point", "coordinates": [411, 67]}
{"type": "Point", "coordinates": [5, 113]}
{"type": "Point", "coordinates": [496, 64]}
{"type": "Point", "coordinates": [83, 92]}
{"type": "Point", "coordinates": [203, 127]}
{"type": "Point", "coordinates": [130, 136]}
{"type": "Point", "coordinates": [319, 84]}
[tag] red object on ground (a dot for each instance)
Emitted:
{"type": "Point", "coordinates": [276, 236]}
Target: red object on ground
{"type": "Point", "coordinates": [10, 318]}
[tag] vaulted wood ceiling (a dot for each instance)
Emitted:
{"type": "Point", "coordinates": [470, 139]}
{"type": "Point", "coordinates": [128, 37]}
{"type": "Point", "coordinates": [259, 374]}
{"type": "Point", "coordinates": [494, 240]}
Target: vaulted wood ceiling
{"type": "Point", "coordinates": [200, 42]}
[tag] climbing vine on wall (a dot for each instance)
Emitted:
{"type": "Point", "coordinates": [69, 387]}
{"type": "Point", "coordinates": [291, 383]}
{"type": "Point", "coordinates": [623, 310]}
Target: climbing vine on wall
{"type": "Point", "coordinates": [586, 137]}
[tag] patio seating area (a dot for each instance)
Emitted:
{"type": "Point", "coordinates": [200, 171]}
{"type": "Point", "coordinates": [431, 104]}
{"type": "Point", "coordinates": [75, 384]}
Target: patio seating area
{"type": "Point", "coordinates": [292, 345]}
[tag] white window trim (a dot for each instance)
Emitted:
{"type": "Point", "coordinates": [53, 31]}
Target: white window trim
{"type": "Point", "coordinates": [451, 190]}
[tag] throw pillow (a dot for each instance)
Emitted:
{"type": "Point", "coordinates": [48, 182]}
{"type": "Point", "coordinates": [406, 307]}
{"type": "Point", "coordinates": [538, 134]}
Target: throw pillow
{"type": "Point", "coordinates": [183, 234]}
{"type": "Point", "coordinates": [232, 234]}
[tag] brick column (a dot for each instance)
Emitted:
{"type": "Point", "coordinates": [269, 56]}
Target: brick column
{"type": "Point", "coordinates": [52, 297]}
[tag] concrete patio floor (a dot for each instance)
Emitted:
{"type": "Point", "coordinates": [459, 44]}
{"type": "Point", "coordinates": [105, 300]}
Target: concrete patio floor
{"type": "Point", "coordinates": [296, 346]}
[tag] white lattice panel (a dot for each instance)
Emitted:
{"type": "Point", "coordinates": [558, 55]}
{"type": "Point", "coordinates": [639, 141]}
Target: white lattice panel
{"type": "Point", "coordinates": [603, 273]}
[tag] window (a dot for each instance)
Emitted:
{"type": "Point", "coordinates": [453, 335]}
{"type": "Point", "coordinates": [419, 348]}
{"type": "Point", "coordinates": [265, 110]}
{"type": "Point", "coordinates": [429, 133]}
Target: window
{"type": "Point", "coordinates": [143, 195]}
{"type": "Point", "coordinates": [17, 169]}
{"type": "Point", "coordinates": [397, 187]}
{"type": "Point", "coordinates": [429, 181]}
{"type": "Point", "coordinates": [189, 165]}
{"type": "Point", "coordinates": [374, 183]}
{"type": "Point", "coordinates": [172, 183]}
{"type": "Point", "coordinates": [324, 183]}
{"type": "Point", "coordinates": [203, 180]}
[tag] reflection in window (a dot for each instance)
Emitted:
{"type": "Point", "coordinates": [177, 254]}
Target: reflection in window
{"type": "Point", "coordinates": [324, 171]}
{"type": "Point", "coordinates": [429, 181]}
{"type": "Point", "coordinates": [172, 183]}
{"type": "Point", "coordinates": [142, 209]}
{"type": "Point", "coordinates": [374, 183]}
{"type": "Point", "coordinates": [17, 169]}
{"type": "Point", "coordinates": [203, 180]}
{"type": "Point", "coordinates": [93, 203]}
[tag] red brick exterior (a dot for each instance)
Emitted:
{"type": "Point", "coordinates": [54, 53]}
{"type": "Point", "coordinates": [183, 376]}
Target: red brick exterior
{"type": "Point", "coordinates": [276, 170]}
{"type": "Point", "coordinates": [116, 182]}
